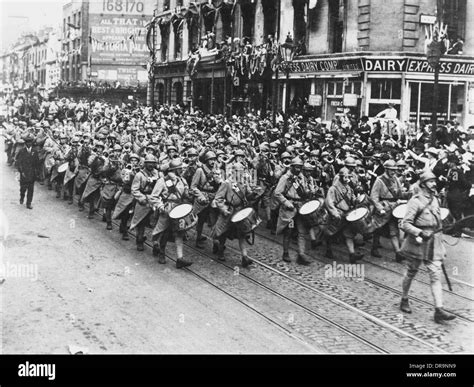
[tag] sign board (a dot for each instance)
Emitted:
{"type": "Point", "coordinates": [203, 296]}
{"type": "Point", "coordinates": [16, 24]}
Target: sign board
{"type": "Point", "coordinates": [417, 65]}
{"type": "Point", "coordinates": [118, 35]}
{"type": "Point", "coordinates": [336, 102]}
{"type": "Point", "coordinates": [325, 65]}
{"type": "Point", "coordinates": [315, 100]}
{"type": "Point", "coordinates": [427, 19]}
{"type": "Point", "coordinates": [350, 100]}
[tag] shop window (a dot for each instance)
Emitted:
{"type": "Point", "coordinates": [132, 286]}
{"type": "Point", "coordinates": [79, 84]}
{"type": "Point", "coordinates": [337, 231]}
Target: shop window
{"type": "Point", "coordinates": [386, 89]}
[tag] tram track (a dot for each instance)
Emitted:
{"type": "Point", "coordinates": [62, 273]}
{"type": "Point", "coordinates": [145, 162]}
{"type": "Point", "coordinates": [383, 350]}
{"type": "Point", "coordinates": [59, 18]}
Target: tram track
{"type": "Point", "coordinates": [324, 260]}
{"type": "Point", "coordinates": [428, 347]}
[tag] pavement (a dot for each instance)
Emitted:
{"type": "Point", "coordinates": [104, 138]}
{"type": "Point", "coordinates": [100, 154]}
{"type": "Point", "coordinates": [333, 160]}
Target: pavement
{"type": "Point", "coordinates": [69, 282]}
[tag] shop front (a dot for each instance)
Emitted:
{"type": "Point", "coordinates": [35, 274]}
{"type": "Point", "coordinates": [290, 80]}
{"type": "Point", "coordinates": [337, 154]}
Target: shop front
{"type": "Point", "coordinates": [366, 83]}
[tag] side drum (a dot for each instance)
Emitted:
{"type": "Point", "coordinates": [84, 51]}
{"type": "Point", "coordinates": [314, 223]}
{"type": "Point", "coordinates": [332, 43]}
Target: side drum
{"type": "Point", "coordinates": [313, 213]}
{"type": "Point", "coordinates": [361, 219]}
{"type": "Point", "coordinates": [182, 217]}
{"type": "Point", "coordinates": [245, 221]}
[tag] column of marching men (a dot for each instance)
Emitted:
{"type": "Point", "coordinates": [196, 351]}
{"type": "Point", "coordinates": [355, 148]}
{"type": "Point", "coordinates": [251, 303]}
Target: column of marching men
{"type": "Point", "coordinates": [173, 171]}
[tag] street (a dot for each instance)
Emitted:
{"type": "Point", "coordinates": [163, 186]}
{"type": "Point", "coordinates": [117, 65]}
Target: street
{"type": "Point", "coordinates": [69, 282]}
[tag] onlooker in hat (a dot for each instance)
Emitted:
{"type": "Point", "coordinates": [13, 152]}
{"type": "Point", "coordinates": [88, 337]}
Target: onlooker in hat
{"type": "Point", "coordinates": [28, 166]}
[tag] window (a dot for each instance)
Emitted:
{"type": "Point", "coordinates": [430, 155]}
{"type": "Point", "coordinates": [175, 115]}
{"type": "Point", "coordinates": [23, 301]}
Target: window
{"type": "Point", "coordinates": [454, 15]}
{"type": "Point", "coordinates": [386, 89]}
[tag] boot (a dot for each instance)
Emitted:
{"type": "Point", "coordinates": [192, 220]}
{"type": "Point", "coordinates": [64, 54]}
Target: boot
{"type": "Point", "coordinates": [441, 315]}
{"type": "Point", "coordinates": [215, 247]}
{"type": "Point", "coordinates": [181, 262]}
{"type": "Point", "coordinates": [353, 258]}
{"type": "Point", "coordinates": [375, 252]}
{"type": "Point", "coordinates": [109, 225]}
{"type": "Point", "coordinates": [220, 253]}
{"type": "Point", "coordinates": [405, 306]}
{"type": "Point", "coordinates": [399, 257]}
{"type": "Point", "coordinates": [303, 259]}
{"type": "Point", "coordinates": [246, 261]}
{"type": "Point", "coordinates": [286, 256]}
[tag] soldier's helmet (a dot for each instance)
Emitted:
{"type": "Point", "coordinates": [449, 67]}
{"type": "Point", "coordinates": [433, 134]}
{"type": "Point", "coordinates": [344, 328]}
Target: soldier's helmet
{"type": "Point", "coordinates": [192, 152]}
{"type": "Point", "coordinates": [390, 164]}
{"type": "Point", "coordinates": [210, 155]}
{"type": "Point", "coordinates": [175, 164]}
{"type": "Point", "coordinates": [350, 162]}
{"type": "Point", "coordinates": [296, 162]}
{"type": "Point", "coordinates": [426, 176]}
{"type": "Point", "coordinates": [150, 159]}
{"type": "Point", "coordinates": [344, 172]}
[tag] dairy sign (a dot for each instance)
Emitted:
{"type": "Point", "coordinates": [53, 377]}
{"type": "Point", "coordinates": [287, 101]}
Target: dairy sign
{"type": "Point", "coordinates": [117, 31]}
{"type": "Point", "coordinates": [417, 65]}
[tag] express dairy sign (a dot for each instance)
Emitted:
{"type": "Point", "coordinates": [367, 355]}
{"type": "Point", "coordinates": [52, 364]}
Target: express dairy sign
{"type": "Point", "coordinates": [415, 65]}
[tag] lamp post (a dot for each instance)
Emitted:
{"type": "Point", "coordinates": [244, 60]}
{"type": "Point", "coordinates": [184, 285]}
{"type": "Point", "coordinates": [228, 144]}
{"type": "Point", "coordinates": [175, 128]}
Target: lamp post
{"type": "Point", "coordinates": [287, 53]}
{"type": "Point", "coordinates": [434, 51]}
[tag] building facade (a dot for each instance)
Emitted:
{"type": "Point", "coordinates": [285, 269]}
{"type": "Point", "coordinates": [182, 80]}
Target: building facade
{"type": "Point", "coordinates": [356, 55]}
{"type": "Point", "coordinates": [104, 41]}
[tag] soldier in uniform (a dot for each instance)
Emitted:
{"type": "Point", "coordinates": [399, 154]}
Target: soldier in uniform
{"type": "Point", "coordinates": [83, 171]}
{"type": "Point", "coordinates": [386, 195]}
{"type": "Point", "coordinates": [423, 243]}
{"type": "Point", "coordinates": [339, 201]}
{"type": "Point", "coordinates": [59, 158]}
{"type": "Point", "coordinates": [91, 192]}
{"type": "Point", "coordinates": [291, 192]}
{"type": "Point", "coordinates": [28, 166]}
{"type": "Point", "coordinates": [142, 187]}
{"type": "Point", "coordinates": [125, 201]}
{"type": "Point", "coordinates": [204, 186]}
{"type": "Point", "coordinates": [265, 169]}
{"type": "Point", "coordinates": [233, 195]}
{"type": "Point", "coordinates": [71, 171]}
{"type": "Point", "coordinates": [169, 192]}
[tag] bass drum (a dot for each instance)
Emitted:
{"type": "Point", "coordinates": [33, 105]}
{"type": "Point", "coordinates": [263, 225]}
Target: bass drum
{"type": "Point", "coordinates": [245, 221]}
{"type": "Point", "coordinates": [182, 217]}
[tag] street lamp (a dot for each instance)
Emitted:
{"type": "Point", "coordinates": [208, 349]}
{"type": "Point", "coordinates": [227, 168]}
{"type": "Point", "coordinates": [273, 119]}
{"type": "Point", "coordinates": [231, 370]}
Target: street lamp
{"type": "Point", "coordinates": [287, 50]}
{"type": "Point", "coordinates": [435, 49]}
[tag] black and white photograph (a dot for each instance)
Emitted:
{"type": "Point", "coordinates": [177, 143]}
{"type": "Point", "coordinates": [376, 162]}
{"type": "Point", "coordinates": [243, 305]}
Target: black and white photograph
{"type": "Point", "coordinates": [237, 177]}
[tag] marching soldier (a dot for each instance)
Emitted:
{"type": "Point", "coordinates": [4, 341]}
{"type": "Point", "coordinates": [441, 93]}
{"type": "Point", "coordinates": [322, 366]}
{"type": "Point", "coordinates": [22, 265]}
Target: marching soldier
{"type": "Point", "coordinates": [125, 200]}
{"type": "Point", "coordinates": [71, 171]}
{"type": "Point", "coordinates": [142, 187]}
{"type": "Point", "coordinates": [83, 171]}
{"type": "Point", "coordinates": [291, 191]}
{"type": "Point", "coordinates": [233, 195]}
{"type": "Point", "coordinates": [424, 243]}
{"type": "Point", "coordinates": [91, 192]}
{"type": "Point", "coordinates": [204, 186]}
{"type": "Point", "coordinates": [169, 192]}
{"type": "Point", "coordinates": [386, 195]}
{"type": "Point", "coordinates": [339, 201]}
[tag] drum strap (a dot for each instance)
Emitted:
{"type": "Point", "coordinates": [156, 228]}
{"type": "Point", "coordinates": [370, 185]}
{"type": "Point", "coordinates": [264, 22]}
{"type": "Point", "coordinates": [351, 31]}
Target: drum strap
{"type": "Point", "coordinates": [388, 185]}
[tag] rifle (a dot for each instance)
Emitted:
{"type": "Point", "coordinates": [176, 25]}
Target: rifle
{"type": "Point", "coordinates": [455, 226]}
